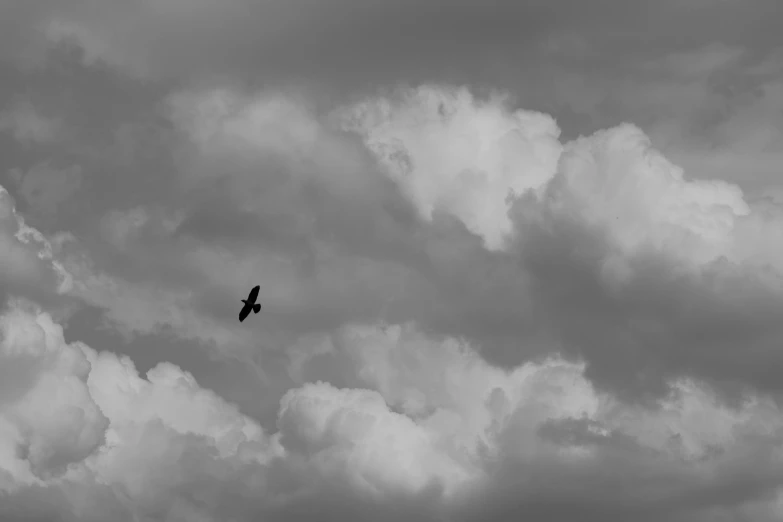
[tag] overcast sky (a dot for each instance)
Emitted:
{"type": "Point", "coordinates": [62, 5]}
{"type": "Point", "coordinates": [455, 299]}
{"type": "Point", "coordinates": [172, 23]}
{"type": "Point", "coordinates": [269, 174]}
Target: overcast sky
{"type": "Point", "coordinates": [519, 260]}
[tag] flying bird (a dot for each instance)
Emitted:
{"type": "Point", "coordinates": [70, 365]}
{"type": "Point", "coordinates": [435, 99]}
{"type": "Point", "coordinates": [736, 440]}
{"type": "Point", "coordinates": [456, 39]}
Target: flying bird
{"type": "Point", "coordinates": [250, 304]}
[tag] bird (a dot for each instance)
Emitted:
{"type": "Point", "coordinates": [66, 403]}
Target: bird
{"type": "Point", "coordinates": [250, 304]}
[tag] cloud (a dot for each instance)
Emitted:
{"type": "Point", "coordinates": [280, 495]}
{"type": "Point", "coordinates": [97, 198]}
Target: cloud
{"type": "Point", "coordinates": [157, 41]}
{"type": "Point", "coordinates": [117, 444]}
{"type": "Point", "coordinates": [352, 41]}
{"type": "Point", "coordinates": [744, 145]}
{"type": "Point", "coordinates": [45, 188]}
{"type": "Point", "coordinates": [352, 434]}
{"type": "Point", "coordinates": [458, 154]}
{"type": "Point", "coordinates": [695, 256]}
{"type": "Point", "coordinates": [614, 221]}
{"type": "Point", "coordinates": [53, 420]}
{"type": "Point", "coordinates": [598, 248]}
{"type": "Point", "coordinates": [712, 58]}
{"type": "Point", "coordinates": [27, 125]}
{"type": "Point", "coordinates": [615, 182]}
{"type": "Point", "coordinates": [262, 172]}
{"type": "Point", "coordinates": [468, 314]}
{"type": "Point", "coordinates": [133, 308]}
{"type": "Point", "coordinates": [108, 431]}
{"type": "Point", "coordinates": [517, 261]}
{"type": "Point", "coordinates": [546, 420]}
{"type": "Point", "coordinates": [26, 256]}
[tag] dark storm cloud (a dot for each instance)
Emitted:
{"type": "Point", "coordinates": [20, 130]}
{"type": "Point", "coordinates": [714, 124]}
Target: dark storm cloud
{"type": "Point", "coordinates": [210, 146]}
{"type": "Point", "coordinates": [359, 253]}
{"type": "Point", "coordinates": [550, 288]}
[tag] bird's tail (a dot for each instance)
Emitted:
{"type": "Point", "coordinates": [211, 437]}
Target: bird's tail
{"type": "Point", "coordinates": [256, 308]}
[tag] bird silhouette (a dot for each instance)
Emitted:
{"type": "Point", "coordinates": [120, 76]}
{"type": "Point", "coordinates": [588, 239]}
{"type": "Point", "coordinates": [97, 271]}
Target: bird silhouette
{"type": "Point", "coordinates": [250, 304]}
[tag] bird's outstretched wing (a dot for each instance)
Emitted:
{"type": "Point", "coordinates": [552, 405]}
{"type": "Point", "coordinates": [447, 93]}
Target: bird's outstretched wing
{"type": "Point", "coordinates": [253, 294]}
{"type": "Point", "coordinates": [244, 312]}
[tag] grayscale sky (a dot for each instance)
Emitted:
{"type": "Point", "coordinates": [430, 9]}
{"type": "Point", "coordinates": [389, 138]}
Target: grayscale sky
{"type": "Point", "coordinates": [519, 260]}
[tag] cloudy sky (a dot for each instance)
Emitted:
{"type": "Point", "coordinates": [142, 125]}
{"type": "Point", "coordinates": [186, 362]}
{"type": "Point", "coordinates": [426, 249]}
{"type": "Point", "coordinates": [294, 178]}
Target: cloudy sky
{"type": "Point", "coordinates": [519, 260]}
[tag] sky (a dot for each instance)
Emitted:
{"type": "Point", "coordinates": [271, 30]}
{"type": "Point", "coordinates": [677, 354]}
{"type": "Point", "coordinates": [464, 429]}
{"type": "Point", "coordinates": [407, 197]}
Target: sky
{"type": "Point", "coordinates": [518, 260]}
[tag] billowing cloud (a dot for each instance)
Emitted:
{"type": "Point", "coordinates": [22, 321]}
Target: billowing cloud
{"type": "Point", "coordinates": [516, 261]}
{"type": "Point", "coordinates": [460, 155]}
{"type": "Point", "coordinates": [621, 257]}
{"type": "Point", "coordinates": [52, 421]}
{"type": "Point", "coordinates": [82, 429]}
{"type": "Point", "coordinates": [478, 439]}
{"type": "Point", "coordinates": [696, 257]}
{"type": "Point", "coordinates": [599, 248]}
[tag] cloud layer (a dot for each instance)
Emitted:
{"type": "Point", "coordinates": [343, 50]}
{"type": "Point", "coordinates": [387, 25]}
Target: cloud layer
{"type": "Point", "coordinates": [536, 274]}
{"type": "Point", "coordinates": [85, 437]}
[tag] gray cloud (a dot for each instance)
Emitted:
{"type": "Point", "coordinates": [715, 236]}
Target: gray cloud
{"type": "Point", "coordinates": [360, 252]}
{"type": "Point", "coordinates": [471, 312]}
{"type": "Point", "coordinates": [384, 40]}
{"type": "Point", "coordinates": [45, 187]}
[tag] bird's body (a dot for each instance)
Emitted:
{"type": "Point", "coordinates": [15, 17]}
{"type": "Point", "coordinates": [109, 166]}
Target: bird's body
{"type": "Point", "coordinates": [250, 304]}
